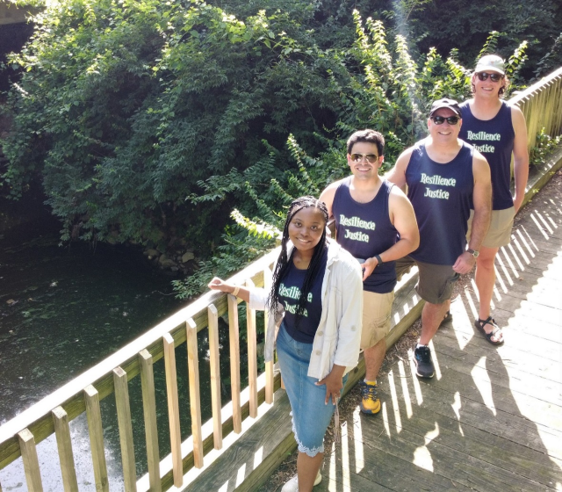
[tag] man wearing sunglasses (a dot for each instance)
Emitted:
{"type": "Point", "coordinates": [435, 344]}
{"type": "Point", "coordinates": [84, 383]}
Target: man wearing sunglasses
{"type": "Point", "coordinates": [444, 176]}
{"type": "Point", "coordinates": [375, 222]}
{"type": "Point", "coordinates": [498, 131]}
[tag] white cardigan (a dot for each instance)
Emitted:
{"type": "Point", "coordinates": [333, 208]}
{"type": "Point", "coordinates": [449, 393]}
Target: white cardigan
{"type": "Point", "coordinates": [338, 335]}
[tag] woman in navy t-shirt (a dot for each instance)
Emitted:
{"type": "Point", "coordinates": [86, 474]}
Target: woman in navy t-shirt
{"type": "Point", "coordinates": [316, 303]}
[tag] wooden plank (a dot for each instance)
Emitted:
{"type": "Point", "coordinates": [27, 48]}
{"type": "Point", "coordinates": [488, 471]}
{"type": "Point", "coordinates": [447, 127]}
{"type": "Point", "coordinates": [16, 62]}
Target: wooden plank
{"type": "Point", "coordinates": [267, 279]}
{"type": "Point", "coordinates": [234, 337]}
{"type": "Point", "coordinates": [125, 428]}
{"type": "Point", "coordinates": [150, 421]}
{"type": "Point", "coordinates": [208, 444]}
{"type": "Point", "coordinates": [93, 414]}
{"type": "Point", "coordinates": [30, 461]}
{"type": "Point", "coordinates": [252, 356]}
{"type": "Point", "coordinates": [173, 407]}
{"type": "Point", "coordinates": [486, 356]}
{"type": "Point", "coordinates": [504, 452]}
{"type": "Point", "coordinates": [215, 374]}
{"type": "Point", "coordinates": [350, 467]}
{"type": "Point", "coordinates": [194, 393]}
{"type": "Point", "coordinates": [426, 453]}
{"type": "Point", "coordinates": [271, 432]}
{"type": "Point", "coordinates": [449, 398]}
{"type": "Point", "coordinates": [64, 445]}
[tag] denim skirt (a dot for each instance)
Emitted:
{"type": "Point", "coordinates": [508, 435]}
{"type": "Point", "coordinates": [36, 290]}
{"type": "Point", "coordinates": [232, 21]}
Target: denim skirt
{"type": "Point", "coordinates": [311, 416]}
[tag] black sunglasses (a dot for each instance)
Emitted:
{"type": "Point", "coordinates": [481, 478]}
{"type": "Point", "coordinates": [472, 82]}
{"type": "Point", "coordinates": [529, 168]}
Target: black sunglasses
{"type": "Point", "coordinates": [371, 158]}
{"type": "Point", "coordinates": [439, 120]}
{"type": "Point", "coordinates": [494, 77]}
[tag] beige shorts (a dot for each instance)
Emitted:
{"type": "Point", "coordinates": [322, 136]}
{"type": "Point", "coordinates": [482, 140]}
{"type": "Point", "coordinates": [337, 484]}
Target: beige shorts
{"type": "Point", "coordinates": [499, 233]}
{"type": "Point", "coordinates": [377, 311]}
{"type": "Point", "coordinates": [435, 282]}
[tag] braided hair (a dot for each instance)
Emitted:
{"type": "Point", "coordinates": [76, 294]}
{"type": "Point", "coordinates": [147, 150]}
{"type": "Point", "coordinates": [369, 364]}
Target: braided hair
{"type": "Point", "coordinates": [284, 261]}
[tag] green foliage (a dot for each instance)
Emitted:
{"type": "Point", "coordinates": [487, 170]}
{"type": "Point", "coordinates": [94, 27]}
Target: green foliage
{"type": "Point", "coordinates": [544, 146]}
{"type": "Point", "coordinates": [152, 121]}
{"type": "Point", "coordinates": [448, 24]}
{"type": "Point", "coordinates": [125, 109]}
{"type": "Point", "coordinates": [238, 250]}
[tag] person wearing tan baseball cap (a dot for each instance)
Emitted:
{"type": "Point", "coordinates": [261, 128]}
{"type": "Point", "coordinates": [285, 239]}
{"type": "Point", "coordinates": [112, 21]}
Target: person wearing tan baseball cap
{"type": "Point", "coordinates": [498, 130]}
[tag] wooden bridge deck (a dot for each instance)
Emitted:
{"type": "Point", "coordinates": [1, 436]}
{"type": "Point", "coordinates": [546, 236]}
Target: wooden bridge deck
{"type": "Point", "coordinates": [491, 419]}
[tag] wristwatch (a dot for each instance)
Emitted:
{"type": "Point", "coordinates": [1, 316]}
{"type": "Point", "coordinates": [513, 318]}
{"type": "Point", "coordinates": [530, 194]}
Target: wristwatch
{"type": "Point", "coordinates": [473, 252]}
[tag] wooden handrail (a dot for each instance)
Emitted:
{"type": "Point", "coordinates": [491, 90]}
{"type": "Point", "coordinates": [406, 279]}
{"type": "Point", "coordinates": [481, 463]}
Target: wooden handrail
{"type": "Point", "coordinates": [37, 419]}
{"type": "Point", "coordinates": [542, 106]}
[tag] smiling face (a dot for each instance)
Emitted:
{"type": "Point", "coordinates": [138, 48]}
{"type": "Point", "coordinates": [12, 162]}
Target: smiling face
{"type": "Point", "coordinates": [444, 131]}
{"type": "Point", "coordinates": [487, 88]}
{"type": "Point", "coordinates": [306, 228]}
{"type": "Point", "coordinates": [362, 168]}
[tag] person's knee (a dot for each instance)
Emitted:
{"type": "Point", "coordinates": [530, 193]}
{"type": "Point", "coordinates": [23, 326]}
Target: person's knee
{"type": "Point", "coordinates": [486, 263]}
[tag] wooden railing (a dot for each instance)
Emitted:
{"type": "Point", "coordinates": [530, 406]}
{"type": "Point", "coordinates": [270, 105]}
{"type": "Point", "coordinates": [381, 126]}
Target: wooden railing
{"type": "Point", "coordinates": [542, 106]}
{"type": "Point", "coordinates": [19, 436]}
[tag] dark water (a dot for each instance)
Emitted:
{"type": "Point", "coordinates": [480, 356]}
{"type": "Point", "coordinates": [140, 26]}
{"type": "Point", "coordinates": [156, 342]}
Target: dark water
{"type": "Point", "coordinates": [62, 310]}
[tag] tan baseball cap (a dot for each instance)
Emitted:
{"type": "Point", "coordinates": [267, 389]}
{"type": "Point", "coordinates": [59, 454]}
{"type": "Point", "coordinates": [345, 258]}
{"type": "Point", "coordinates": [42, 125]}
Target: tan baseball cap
{"type": "Point", "coordinates": [490, 63]}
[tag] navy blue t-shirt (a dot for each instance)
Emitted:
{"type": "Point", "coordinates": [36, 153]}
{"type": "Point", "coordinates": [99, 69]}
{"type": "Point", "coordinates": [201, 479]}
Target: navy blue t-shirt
{"type": "Point", "coordinates": [290, 293]}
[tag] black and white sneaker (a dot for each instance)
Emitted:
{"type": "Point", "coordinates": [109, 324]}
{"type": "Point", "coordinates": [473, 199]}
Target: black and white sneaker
{"type": "Point", "coordinates": [424, 364]}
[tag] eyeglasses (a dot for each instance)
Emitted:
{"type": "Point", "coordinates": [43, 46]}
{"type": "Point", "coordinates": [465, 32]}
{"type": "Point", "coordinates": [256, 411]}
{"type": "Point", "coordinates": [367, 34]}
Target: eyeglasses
{"type": "Point", "coordinates": [371, 158]}
{"type": "Point", "coordinates": [494, 77]}
{"type": "Point", "coordinates": [439, 120]}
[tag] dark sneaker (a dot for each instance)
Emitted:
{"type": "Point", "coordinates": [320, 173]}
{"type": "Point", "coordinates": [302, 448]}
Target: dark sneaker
{"type": "Point", "coordinates": [424, 364]}
{"type": "Point", "coordinates": [370, 403]}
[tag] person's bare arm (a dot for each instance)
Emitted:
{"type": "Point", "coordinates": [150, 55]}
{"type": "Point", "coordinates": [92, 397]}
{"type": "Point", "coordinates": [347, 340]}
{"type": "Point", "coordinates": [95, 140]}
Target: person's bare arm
{"type": "Point", "coordinates": [397, 174]}
{"type": "Point", "coordinates": [520, 156]}
{"type": "Point", "coordinates": [482, 201]}
{"type": "Point", "coordinates": [219, 284]}
{"type": "Point", "coordinates": [403, 218]}
{"type": "Point", "coordinates": [327, 196]}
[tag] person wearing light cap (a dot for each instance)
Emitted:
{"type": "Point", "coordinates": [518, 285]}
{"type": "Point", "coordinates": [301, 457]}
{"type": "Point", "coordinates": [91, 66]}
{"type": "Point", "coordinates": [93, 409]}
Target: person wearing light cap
{"type": "Point", "coordinates": [498, 131]}
{"type": "Point", "coordinates": [445, 176]}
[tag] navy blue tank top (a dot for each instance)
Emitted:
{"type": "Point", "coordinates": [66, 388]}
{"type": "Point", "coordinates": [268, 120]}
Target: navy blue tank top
{"type": "Point", "coordinates": [290, 293]}
{"type": "Point", "coordinates": [441, 195]}
{"type": "Point", "coordinates": [365, 230]}
{"type": "Point", "coordinates": [494, 139]}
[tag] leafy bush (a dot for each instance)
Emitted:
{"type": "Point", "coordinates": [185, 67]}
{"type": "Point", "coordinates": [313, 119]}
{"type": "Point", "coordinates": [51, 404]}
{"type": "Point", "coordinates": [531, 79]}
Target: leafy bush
{"type": "Point", "coordinates": [149, 121]}
{"type": "Point", "coordinates": [544, 146]}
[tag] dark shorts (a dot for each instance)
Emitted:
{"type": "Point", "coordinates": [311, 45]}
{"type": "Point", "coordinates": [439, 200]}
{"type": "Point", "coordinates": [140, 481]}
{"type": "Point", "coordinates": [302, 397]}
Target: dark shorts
{"type": "Point", "coordinates": [436, 282]}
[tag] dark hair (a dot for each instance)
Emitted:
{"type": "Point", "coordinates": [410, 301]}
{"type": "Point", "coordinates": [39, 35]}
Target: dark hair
{"type": "Point", "coordinates": [283, 262]}
{"type": "Point", "coordinates": [370, 136]}
{"type": "Point", "coordinates": [502, 90]}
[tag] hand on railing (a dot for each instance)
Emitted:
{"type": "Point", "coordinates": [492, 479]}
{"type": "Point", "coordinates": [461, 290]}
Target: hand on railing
{"type": "Point", "coordinates": [238, 291]}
